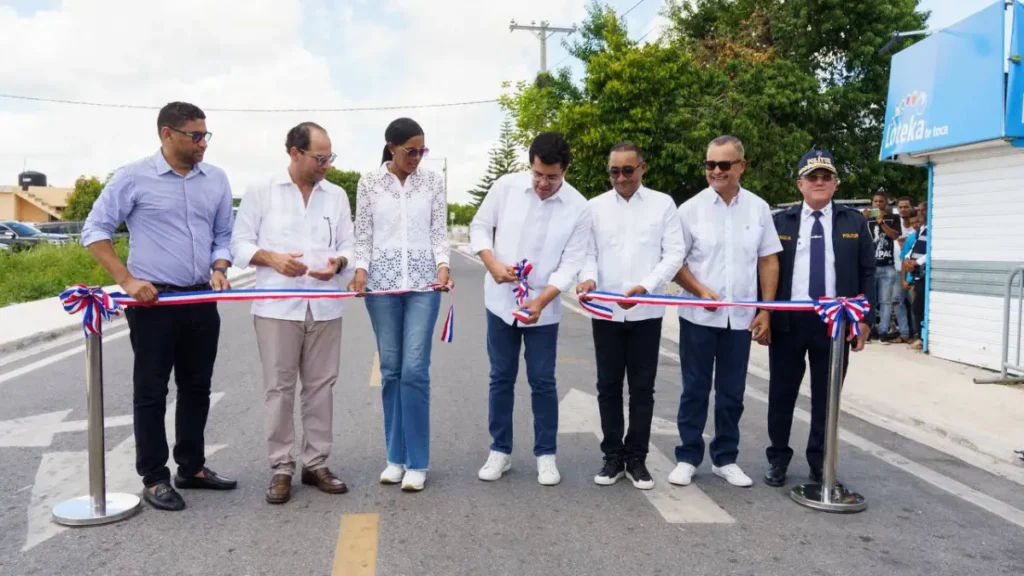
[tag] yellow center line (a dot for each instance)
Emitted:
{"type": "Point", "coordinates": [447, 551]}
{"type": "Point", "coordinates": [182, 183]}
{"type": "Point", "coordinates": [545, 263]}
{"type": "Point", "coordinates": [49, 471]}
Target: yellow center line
{"type": "Point", "coordinates": [375, 372]}
{"type": "Point", "coordinates": [356, 551]}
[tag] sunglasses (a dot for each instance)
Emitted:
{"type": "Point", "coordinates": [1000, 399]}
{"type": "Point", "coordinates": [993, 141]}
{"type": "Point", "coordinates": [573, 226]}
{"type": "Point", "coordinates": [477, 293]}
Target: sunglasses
{"type": "Point", "coordinates": [626, 171]}
{"type": "Point", "coordinates": [321, 160]}
{"type": "Point", "coordinates": [723, 165]}
{"type": "Point", "coordinates": [196, 137]}
{"type": "Point", "coordinates": [416, 152]}
{"type": "Point", "coordinates": [826, 177]}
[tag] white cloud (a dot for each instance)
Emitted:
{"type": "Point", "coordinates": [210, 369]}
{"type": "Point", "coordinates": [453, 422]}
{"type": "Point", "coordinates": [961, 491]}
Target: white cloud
{"type": "Point", "coordinates": [261, 54]}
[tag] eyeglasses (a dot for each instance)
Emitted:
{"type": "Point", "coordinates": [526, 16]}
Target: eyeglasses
{"type": "Point", "coordinates": [723, 165]}
{"type": "Point", "coordinates": [824, 177]}
{"type": "Point", "coordinates": [416, 152]}
{"type": "Point", "coordinates": [321, 160]}
{"type": "Point", "coordinates": [626, 171]}
{"type": "Point", "coordinates": [552, 178]}
{"type": "Point", "coordinates": [196, 137]}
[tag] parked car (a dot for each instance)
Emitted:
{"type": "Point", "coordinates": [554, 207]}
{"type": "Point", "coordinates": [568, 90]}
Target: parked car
{"type": "Point", "coordinates": [60, 227]}
{"type": "Point", "coordinates": [21, 233]}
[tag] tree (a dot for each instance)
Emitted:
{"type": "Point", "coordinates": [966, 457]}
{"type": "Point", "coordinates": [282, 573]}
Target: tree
{"type": "Point", "coordinates": [782, 75]}
{"type": "Point", "coordinates": [462, 214]}
{"type": "Point", "coordinates": [504, 159]}
{"type": "Point", "coordinates": [80, 202]}
{"type": "Point", "coordinates": [347, 179]}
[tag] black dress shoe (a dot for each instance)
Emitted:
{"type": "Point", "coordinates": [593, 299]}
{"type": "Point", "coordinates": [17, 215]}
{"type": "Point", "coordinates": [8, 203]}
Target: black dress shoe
{"type": "Point", "coordinates": [816, 475]}
{"type": "Point", "coordinates": [210, 481]}
{"type": "Point", "coordinates": [775, 476]}
{"type": "Point", "coordinates": [163, 497]}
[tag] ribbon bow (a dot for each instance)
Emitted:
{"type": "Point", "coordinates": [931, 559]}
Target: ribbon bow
{"type": "Point", "coordinates": [94, 303]}
{"type": "Point", "coordinates": [521, 291]}
{"type": "Point", "coordinates": [854, 308]}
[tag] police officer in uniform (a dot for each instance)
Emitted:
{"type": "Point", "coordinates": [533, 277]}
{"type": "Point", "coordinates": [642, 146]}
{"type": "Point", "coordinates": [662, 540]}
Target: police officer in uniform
{"type": "Point", "coordinates": [826, 251]}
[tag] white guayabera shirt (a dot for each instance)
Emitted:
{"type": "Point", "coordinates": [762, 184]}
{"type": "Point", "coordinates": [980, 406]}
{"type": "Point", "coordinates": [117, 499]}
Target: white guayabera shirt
{"type": "Point", "coordinates": [272, 217]}
{"type": "Point", "coordinates": [638, 242]}
{"type": "Point", "coordinates": [401, 233]}
{"type": "Point", "coordinates": [723, 244]}
{"type": "Point", "coordinates": [552, 234]}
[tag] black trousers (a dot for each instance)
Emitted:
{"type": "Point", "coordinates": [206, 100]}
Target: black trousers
{"type": "Point", "coordinates": [626, 350]}
{"type": "Point", "coordinates": [183, 338]}
{"type": "Point", "coordinates": [918, 307]}
{"type": "Point", "coordinates": [807, 337]}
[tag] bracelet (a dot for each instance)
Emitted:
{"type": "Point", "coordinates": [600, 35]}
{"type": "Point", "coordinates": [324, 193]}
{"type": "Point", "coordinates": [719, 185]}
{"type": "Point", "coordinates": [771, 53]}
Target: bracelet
{"type": "Point", "coordinates": [220, 269]}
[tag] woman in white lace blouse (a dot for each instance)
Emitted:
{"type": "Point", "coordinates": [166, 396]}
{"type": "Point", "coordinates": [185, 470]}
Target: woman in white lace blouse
{"type": "Point", "coordinates": [402, 243]}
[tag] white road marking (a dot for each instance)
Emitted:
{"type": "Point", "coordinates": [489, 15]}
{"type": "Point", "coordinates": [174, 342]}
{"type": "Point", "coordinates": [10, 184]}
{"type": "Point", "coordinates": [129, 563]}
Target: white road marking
{"type": "Point", "coordinates": [64, 475]}
{"type": "Point", "coordinates": [39, 430]}
{"type": "Point", "coordinates": [18, 372]}
{"type": "Point", "coordinates": [578, 414]}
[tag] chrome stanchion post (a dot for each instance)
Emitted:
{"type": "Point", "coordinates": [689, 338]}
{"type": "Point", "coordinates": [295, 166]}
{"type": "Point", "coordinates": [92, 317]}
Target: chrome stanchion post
{"type": "Point", "coordinates": [98, 507]}
{"type": "Point", "coordinates": [830, 495]}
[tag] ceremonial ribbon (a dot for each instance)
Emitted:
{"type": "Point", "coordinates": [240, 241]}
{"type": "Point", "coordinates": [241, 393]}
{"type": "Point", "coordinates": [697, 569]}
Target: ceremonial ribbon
{"type": "Point", "coordinates": [828, 308]}
{"type": "Point", "coordinates": [95, 304]}
{"type": "Point", "coordinates": [521, 291]}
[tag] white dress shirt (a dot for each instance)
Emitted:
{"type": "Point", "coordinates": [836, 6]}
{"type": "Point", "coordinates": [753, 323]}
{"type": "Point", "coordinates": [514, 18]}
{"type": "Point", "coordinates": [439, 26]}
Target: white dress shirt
{"type": "Point", "coordinates": [638, 242]}
{"type": "Point", "coordinates": [272, 217]}
{"type": "Point", "coordinates": [401, 232]}
{"type": "Point", "coordinates": [802, 258]}
{"type": "Point", "coordinates": [723, 244]}
{"type": "Point", "coordinates": [552, 234]}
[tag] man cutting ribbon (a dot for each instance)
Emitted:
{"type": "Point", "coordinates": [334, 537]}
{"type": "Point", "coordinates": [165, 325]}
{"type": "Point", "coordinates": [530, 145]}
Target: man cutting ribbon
{"type": "Point", "coordinates": [539, 217]}
{"type": "Point", "coordinates": [827, 252]}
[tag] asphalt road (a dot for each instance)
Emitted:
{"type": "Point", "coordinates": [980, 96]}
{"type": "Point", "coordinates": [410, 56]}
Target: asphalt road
{"type": "Point", "coordinates": [915, 524]}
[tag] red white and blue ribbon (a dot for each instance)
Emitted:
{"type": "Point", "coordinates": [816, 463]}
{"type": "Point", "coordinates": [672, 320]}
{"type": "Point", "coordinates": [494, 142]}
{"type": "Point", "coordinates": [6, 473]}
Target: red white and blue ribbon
{"type": "Point", "coordinates": [108, 304]}
{"type": "Point", "coordinates": [831, 308]}
{"type": "Point", "coordinates": [828, 308]}
{"type": "Point", "coordinates": [94, 304]}
{"type": "Point", "coordinates": [521, 291]}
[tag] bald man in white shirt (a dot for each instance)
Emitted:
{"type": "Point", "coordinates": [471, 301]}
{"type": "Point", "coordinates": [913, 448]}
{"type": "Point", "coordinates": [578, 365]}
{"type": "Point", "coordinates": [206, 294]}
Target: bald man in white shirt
{"type": "Point", "coordinates": [636, 247]}
{"type": "Point", "coordinates": [731, 247]}
{"type": "Point", "coordinates": [296, 229]}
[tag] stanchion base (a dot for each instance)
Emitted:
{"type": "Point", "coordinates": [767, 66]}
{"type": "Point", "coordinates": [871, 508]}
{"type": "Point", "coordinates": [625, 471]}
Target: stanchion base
{"type": "Point", "coordinates": [79, 512]}
{"type": "Point", "coordinates": [842, 500]}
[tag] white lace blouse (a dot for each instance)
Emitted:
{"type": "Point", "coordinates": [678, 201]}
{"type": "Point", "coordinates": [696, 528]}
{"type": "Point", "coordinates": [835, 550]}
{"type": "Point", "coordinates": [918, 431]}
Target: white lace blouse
{"type": "Point", "coordinates": [401, 236]}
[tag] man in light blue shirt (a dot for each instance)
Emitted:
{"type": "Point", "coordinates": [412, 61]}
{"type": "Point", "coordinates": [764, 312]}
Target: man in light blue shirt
{"type": "Point", "coordinates": [178, 211]}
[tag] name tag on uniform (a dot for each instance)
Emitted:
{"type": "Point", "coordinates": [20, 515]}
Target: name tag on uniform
{"type": "Point", "coordinates": [784, 238]}
{"type": "Point", "coordinates": [853, 236]}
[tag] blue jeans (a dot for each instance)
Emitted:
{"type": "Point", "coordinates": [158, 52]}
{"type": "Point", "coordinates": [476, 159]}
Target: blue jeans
{"type": "Point", "coordinates": [886, 284]}
{"type": "Point", "coordinates": [404, 326]}
{"type": "Point", "coordinates": [903, 315]}
{"type": "Point", "coordinates": [725, 352]}
{"type": "Point", "coordinates": [503, 343]}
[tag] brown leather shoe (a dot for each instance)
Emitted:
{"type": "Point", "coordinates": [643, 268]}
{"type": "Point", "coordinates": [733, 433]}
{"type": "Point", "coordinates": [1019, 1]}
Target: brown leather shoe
{"type": "Point", "coordinates": [280, 490]}
{"type": "Point", "coordinates": [324, 480]}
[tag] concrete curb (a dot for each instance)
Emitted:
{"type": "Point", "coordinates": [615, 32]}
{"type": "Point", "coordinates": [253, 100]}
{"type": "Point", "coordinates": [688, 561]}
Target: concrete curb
{"type": "Point", "coordinates": [49, 335]}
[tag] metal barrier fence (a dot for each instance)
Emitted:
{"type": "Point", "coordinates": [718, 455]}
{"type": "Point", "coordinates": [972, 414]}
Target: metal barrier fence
{"type": "Point", "coordinates": [1010, 372]}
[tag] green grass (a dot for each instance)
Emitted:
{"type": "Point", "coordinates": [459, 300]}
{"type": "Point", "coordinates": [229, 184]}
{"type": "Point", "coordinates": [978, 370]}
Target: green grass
{"type": "Point", "coordinates": [46, 270]}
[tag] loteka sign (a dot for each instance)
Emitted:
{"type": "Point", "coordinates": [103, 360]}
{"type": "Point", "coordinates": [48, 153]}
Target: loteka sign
{"type": "Point", "coordinates": [947, 90]}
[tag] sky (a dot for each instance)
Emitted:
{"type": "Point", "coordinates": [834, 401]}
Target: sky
{"type": "Point", "coordinates": [305, 54]}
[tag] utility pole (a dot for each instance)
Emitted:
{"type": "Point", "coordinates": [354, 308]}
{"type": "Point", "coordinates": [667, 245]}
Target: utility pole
{"type": "Point", "coordinates": [542, 32]}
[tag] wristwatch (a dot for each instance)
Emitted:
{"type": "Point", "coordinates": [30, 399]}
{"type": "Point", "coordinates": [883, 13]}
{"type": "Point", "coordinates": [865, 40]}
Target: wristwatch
{"type": "Point", "coordinates": [220, 269]}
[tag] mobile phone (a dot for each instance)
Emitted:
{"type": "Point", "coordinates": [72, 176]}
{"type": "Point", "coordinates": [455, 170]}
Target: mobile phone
{"type": "Point", "coordinates": [875, 212]}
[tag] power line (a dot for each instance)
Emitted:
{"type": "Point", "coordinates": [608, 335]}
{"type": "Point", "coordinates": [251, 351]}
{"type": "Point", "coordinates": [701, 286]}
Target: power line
{"type": "Point", "coordinates": [255, 110]}
{"type": "Point", "coordinates": [631, 9]}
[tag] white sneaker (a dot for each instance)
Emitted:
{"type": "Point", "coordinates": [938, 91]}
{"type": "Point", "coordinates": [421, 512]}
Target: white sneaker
{"type": "Point", "coordinates": [547, 470]}
{"type": "Point", "coordinates": [682, 475]}
{"type": "Point", "coordinates": [496, 466]}
{"type": "Point", "coordinates": [414, 480]}
{"type": "Point", "coordinates": [392, 474]}
{"type": "Point", "coordinates": [733, 475]}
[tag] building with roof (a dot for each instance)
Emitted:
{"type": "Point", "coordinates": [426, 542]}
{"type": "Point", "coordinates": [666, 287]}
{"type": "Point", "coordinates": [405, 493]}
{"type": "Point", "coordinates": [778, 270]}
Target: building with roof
{"type": "Point", "coordinates": [32, 200]}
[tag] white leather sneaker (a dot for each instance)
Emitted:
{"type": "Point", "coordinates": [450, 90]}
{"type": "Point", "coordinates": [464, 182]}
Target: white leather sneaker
{"type": "Point", "coordinates": [733, 475]}
{"type": "Point", "coordinates": [547, 470]}
{"type": "Point", "coordinates": [682, 475]}
{"type": "Point", "coordinates": [392, 474]}
{"type": "Point", "coordinates": [414, 480]}
{"type": "Point", "coordinates": [496, 466]}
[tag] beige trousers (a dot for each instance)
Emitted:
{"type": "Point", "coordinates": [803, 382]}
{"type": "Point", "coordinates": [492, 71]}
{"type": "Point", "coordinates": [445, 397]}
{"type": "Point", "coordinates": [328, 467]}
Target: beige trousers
{"type": "Point", "coordinates": [310, 351]}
